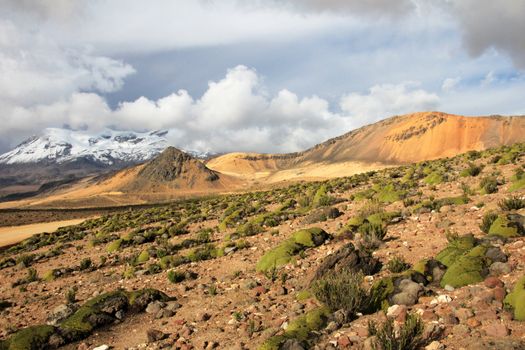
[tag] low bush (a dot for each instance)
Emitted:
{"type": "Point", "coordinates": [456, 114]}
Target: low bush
{"type": "Point", "coordinates": [512, 203]}
{"type": "Point", "coordinates": [397, 265]}
{"type": "Point", "coordinates": [408, 337]}
{"type": "Point", "coordinates": [341, 290]}
{"type": "Point", "coordinates": [488, 220]}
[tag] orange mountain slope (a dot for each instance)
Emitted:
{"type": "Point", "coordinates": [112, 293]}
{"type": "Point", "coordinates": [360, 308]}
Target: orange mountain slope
{"type": "Point", "coordinates": [397, 140]}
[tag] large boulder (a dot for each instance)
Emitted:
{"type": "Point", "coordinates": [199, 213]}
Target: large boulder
{"type": "Point", "coordinates": [348, 258]}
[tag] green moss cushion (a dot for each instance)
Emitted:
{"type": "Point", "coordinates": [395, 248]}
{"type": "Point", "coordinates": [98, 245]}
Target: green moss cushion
{"type": "Point", "coordinates": [455, 249]}
{"type": "Point", "coordinates": [468, 269]}
{"type": "Point", "coordinates": [504, 227]}
{"type": "Point", "coordinates": [283, 253]}
{"type": "Point", "coordinates": [516, 300]}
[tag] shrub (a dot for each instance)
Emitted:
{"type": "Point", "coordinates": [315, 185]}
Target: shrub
{"type": "Point", "coordinates": [487, 221]}
{"type": "Point", "coordinates": [512, 203]}
{"type": "Point", "coordinates": [408, 337]}
{"type": "Point", "coordinates": [176, 276]}
{"type": "Point", "coordinates": [85, 264]}
{"type": "Point", "coordinates": [489, 185]}
{"type": "Point", "coordinates": [341, 290]}
{"type": "Point", "coordinates": [372, 235]}
{"type": "Point", "coordinates": [472, 170]}
{"type": "Point", "coordinates": [397, 265]}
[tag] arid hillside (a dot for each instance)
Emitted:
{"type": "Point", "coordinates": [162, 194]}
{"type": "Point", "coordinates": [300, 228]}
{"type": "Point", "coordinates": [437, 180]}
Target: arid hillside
{"type": "Point", "coordinates": [393, 141]}
{"type": "Point", "coordinates": [428, 256]}
{"type": "Point", "coordinates": [172, 174]}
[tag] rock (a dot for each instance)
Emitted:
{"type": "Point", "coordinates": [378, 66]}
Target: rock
{"type": "Point", "coordinates": [203, 316]}
{"type": "Point", "coordinates": [499, 268]}
{"type": "Point", "coordinates": [432, 331]}
{"type": "Point", "coordinates": [473, 323]}
{"type": "Point", "coordinates": [492, 282]}
{"type": "Point", "coordinates": [101, 347]}
{"type": "Point", "coordinates": [83, 346]}
{"type": "Point", "coordinates": [348, 258]}
{"type": "Point", "coordinates": [496, 255]}
{"type": "Point", "coordinates": [499, 293]}
{"type": "Point", "coordinates": [341, 317]}
{"type": "Point", "coordinates": [332, 326]}
{"type": "Point", "coordinates": [155, 335]}
{"type": "Point", "coordinates": [463, 314]}
{"type": "Point", "coordinates": [435, 345]}
{"type": "Point", "coordinates": [397, 312]}
{"type": "Point", "coordinates": [292, 344]}
{"type": "Point", "coordinates": [154, 307]}
{"type": "Point", "coordinates": [409, 292]}
{"type": "Point", "coordinates": [370, 343]}
{"type": "Point", "coordinates": [172, 306]}
{"type": "Point", "coordinates": [497, 330]}
{"type": "Point", "coordinates": [344, 342]}
{"type": "Point", "coordinates": [449, 288]}
{"type": "Point", "coordinates": [60, 313]}
{"type": "Point", "coordinates": [441, 299]}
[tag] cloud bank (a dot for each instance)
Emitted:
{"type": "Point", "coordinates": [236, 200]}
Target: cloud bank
{"type": "Point", "coordinates": [234, 114]}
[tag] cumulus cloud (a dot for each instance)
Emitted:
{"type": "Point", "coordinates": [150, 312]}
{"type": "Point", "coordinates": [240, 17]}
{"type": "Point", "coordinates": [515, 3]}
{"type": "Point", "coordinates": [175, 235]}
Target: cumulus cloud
{"type": "Point", "coordinates": [388, 99]}
{"type": "Point", "coordinates": [234, 114]}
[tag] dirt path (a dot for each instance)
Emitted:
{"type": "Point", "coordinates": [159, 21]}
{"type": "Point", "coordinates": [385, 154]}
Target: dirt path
{"type": "Point", "coordinates": [14, 234]}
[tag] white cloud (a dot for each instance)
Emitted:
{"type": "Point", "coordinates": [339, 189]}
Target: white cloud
{"type": "Point", "coordinates": [388, 99]}
{"type": "Point", "coordinates": [234, 114]}
{"type": "Point", "coordinates": [450, 83]}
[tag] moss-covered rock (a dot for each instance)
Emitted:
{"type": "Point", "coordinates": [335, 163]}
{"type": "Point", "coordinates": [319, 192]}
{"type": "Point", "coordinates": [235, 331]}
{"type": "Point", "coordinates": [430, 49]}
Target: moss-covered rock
{"type": "Point", "coordinates": [311, 237]}
{"type": "Point", "coordinates": [516, 300]}
{"type": "Point", "coordinates": [114, 246]}
{"type": "Point", "coordinates": [30, 338]}
{"type": "Point", "coordinates": [469, 268]}
{"type": "Point", "coordinates": [143, 257]}
{"type": "Point", "coordinates": [283, 253]}
{"type": "Point", "coordinates": [504, 227]}
{"type": "Point", "coordinates": [300, 329]}
{"type": "Point", "coordinates": [457, 247]}
{"type": "Point", "coordinates": [380, 292]}
{"type": "Point", "coordinates": [434, 178]}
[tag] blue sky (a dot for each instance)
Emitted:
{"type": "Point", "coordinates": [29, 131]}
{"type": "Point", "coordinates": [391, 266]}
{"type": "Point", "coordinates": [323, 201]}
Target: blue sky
{"type": "Point", "coordinates": [266, 76]}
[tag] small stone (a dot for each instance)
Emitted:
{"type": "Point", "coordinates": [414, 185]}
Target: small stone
{"type": "Point", "coordinates": [449, 288]}
{"type": "Point", "coordinates": [101, 347]}
{"type": "Point", "coordinates": [492, 282]}
{"type": "Point", "coordinates": [172, 306]}
{"type": "Point", "coordinates": [499, 294]}
{"type": "Point", "coordinates": [83, 346]}
{"type": "Point", "coordinates": [203, 316]}
{"type": "Point", "coordinates": [397, 312]}
{"type": "Point", "coordinates": [463, 314]}
{"type": "Point", "coordinates": [435, 345]}
{"type": "Point", "coordinates": [496, 330]}
{"type": "Point", "coordinates": [344, 342]}
{"type": "Point", "coordinates": [155, 335]}
{"type": "Point", "coordinates": [154, 307]}
{"type": "Point", "coordinates": [332, 327]}
{"type": "Point", "coordinates": [441, 299]}
{"type": "Point", "coordinates": [499, 268]}
{"type": "Point", "coordinates": [473, 323]}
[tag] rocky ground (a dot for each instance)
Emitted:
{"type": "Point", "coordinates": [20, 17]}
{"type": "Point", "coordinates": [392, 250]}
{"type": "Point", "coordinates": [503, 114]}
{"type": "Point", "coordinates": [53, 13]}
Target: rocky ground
{"type": "Point", "coordinates": [210, 258]}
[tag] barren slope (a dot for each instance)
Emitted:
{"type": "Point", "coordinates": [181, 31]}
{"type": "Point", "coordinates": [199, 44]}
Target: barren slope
{"type": "Point", "coordinates": [397, 140]}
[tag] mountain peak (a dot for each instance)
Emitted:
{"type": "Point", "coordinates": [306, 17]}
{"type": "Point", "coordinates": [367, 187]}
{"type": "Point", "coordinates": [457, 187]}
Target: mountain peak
{"type": "Point", "coordinates": [173, 164]}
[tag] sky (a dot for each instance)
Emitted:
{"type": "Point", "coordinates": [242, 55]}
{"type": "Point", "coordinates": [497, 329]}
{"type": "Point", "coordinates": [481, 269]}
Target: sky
{"type": "Point", "coordinates": [253, 75]}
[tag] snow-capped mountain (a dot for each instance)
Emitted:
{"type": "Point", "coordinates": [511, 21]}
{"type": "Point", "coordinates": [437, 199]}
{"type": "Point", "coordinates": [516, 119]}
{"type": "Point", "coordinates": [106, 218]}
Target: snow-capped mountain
{"type": "Point", "coordinates": [108, 147]}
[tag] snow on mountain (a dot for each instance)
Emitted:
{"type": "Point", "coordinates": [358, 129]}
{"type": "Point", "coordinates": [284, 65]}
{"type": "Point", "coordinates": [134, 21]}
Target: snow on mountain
{"type": "Point", "coordinates": [107, 147]}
